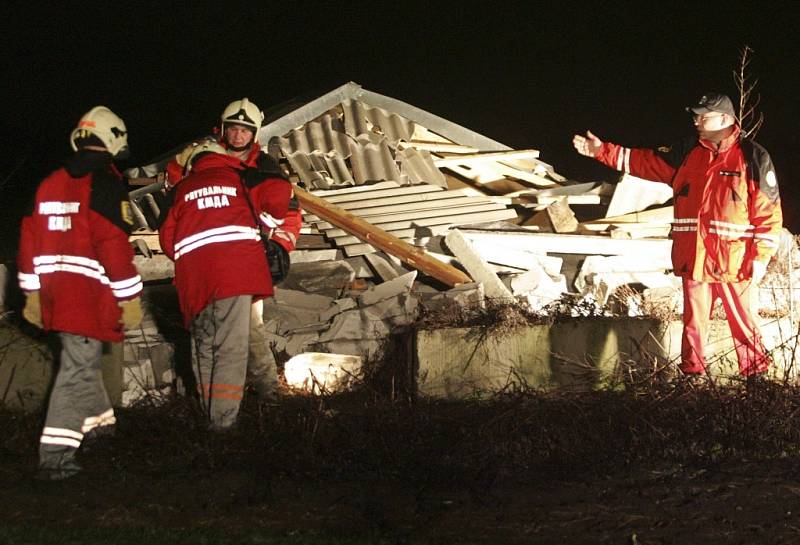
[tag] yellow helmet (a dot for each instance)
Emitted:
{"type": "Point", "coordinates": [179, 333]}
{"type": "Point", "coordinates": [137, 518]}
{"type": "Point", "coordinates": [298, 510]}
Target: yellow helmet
{"type": "Point", "coordinates": [187, 157]}
{"type": "Point", "coordinates": [106, 126]}
{"type": "Point", "coordinates": [243, 112]}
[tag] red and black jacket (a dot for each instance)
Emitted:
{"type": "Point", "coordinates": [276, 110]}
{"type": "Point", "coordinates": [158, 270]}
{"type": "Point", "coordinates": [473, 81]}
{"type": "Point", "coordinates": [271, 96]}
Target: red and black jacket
{"type": "Point", "coordinates": [211, 234]}
{"type": "Point", "coordinates": [74, 248]}
{"type": "Point", "coordinates": [727, 205]}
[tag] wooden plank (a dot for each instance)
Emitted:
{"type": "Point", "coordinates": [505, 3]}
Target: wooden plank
{"type": "Point", "coordinates": [414, 257]}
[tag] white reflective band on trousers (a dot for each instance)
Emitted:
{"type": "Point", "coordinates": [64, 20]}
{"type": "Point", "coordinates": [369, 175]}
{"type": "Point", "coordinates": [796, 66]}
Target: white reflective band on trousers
{"type": "Point", "coordinates": [212, 236]}
{"type": "Point", "coordinates": [78, 403]}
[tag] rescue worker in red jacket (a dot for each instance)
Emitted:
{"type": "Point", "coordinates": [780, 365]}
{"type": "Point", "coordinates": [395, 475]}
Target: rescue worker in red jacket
{"type": "Point", "coordinates": [727, 223]}
{"type": "Point", "coordinates": [76, 269]}
{"type": "Point", "coordinates": [239, 125]}
{"type": "Point", "coordinates": [221, 267]}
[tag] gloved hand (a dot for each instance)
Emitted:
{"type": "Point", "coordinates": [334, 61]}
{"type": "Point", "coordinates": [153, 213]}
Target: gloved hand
{"type": "Point", "coordinates": [131, 313]}
{"type": "Point", "coordinates": [587, 145]}
{"type": "Point", "coordinates": [759, 271]}
{"type": "Point", "coordinates": [33, 308]}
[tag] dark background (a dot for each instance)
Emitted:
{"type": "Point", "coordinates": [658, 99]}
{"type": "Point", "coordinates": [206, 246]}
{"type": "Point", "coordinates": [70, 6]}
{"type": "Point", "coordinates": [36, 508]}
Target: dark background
{"type": "Point", "coordinates": [529, 77]}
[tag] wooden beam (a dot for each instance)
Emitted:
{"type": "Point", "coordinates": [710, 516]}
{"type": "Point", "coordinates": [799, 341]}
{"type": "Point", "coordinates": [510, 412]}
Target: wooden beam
{"type": "Point", "coordinates": [411, 255]}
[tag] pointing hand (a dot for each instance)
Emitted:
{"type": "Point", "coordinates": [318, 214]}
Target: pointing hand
{"type": "Point", "coordinates": [587, 145]}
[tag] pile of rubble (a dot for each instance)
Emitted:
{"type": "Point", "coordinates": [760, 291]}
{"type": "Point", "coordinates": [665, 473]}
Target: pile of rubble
{"type": "Point", "coordinates": [400, 204]}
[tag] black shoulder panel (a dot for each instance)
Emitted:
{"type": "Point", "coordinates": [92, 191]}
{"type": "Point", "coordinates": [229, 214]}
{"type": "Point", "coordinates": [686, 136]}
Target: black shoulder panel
{"type": "Point", "coordinates": [675, 154]}
{"type": "Point", "coordinates": [254, 176]}
{"type": "Point", "coordinates": [110, 200]}
{"type": "Point", "coordinates": [760, 168]}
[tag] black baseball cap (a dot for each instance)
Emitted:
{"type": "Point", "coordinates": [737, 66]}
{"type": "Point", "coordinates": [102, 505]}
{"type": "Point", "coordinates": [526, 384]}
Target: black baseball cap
{"type": "Point", "coordinates": [713, 102]}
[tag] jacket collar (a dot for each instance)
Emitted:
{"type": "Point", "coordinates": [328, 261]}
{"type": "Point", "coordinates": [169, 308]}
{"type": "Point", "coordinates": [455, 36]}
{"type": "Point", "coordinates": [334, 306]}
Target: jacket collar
{"type": "Point", "coordinates": [725, 144]}
{"type": "Point", "coordinates": [217, 160]}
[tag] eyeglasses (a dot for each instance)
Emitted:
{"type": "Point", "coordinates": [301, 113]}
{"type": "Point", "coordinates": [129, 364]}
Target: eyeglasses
{"type": "Point", "coordinates": [709, 115]}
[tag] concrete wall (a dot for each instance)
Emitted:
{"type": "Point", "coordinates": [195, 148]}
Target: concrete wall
{"type": "Point", "coordinates": [580, 354]}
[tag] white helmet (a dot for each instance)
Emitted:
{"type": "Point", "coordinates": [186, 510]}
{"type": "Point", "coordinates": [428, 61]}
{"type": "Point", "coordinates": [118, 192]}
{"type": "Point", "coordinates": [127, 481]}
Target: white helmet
{"type": "Point", "coordinates": [194, 150]}
{"type": "Point", "coordinates": [243, 112]}
{"type": "Point", "coordinates": [105, 125]}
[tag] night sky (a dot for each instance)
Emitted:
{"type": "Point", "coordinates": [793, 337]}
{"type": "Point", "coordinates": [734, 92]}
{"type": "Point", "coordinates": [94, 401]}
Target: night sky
{"type": "Point", "coordinates": [528, 78]}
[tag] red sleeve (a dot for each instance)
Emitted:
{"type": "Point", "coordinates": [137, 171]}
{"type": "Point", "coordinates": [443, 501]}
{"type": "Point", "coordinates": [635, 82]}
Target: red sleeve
{"type": "Point", "coordinates": [115, 254]}
{"type": "Point", "coordinates": [287, 234]}
{"type": "Point", "coordinates": [166, 234]}
{"type": "Point", "coordinates": [174, 173]}
{"type": "Point", "coordinates": [271, 199]}
{"type": "Point", "coordinates": [644, 163]}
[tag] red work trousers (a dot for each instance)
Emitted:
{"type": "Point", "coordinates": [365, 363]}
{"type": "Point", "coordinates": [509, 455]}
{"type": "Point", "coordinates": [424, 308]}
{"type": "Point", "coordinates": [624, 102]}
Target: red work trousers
{"type": "Point", "coordinates": [698, 298]}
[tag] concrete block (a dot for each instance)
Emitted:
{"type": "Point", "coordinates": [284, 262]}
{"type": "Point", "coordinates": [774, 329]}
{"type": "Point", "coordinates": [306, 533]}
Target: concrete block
{"type": "Point", "coordinates": [26, 370]}
{"type": "Point", "coordinates": [581, 354]}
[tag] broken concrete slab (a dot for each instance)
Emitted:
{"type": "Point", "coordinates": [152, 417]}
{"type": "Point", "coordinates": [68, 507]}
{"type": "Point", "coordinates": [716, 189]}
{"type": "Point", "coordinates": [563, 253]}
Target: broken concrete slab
{"type": "Point", "coordinates": [597, 264]}
{"type": "Point", "coordinates": [337, 307]}
{"type": "Point", "coordinates": [477, 267]}
{"type": "Point", "coordinates": [401, 284]}
{"type": "Point", "coordinates": [355, 324]}
{"type": "Point", "coordinates": [298, 343]}
{"type": "Point", "coordinates": [329, 278]}
{"type": "Point", "coordinates": [634, 194]}
{"type": "Point", "coordinates": [382, 267]}
{"type": "Point", "coordinates": [466, 297]}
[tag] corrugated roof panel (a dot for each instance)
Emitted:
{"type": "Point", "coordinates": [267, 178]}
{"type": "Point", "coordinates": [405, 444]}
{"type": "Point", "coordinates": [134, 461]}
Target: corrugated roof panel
{"type": "Point", "coordinates": [324, 135]}
{"type": "Point", "coordinates": [374, 162]}
{"type": "Point", "coordinates": [321, 170]}
{"type": "Point", "coordinates": [361, 119]}
{"type": "Point", "coordinates": [418, 167]}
